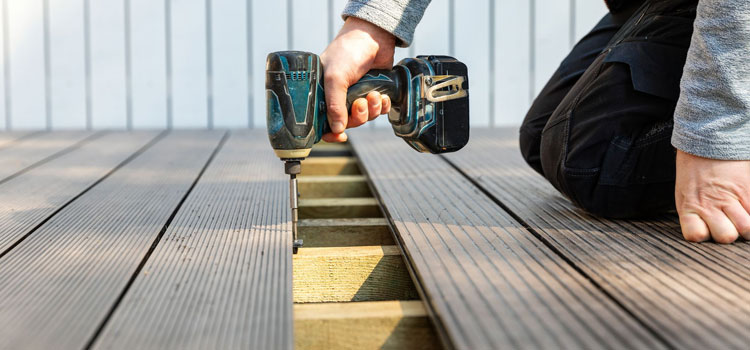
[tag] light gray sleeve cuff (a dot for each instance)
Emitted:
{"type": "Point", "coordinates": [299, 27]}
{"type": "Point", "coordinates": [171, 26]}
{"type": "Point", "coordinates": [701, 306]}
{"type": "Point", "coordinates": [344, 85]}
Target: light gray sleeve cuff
{"type": "Point", "coordinates": [399, 17]}
{"type": "Point", "coordinates": [712, 118]}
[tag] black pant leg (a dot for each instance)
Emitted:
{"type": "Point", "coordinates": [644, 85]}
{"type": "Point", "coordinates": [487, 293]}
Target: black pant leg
{"type": "Point", "coordinates": [566, 75]}
{"type": "Point", "coordinates": [607, 144]}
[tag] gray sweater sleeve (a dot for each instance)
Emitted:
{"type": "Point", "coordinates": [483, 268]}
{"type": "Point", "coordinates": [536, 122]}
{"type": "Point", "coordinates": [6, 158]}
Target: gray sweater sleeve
{"type": "Point", "coordinates": [712, 118]}
{"type": "Point", "coordinates": [399, 17]}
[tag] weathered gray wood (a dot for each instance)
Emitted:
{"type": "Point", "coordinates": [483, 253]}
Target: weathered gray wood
{"type": "Point", "coordinates": [37, 148]}
{"type": "Point", "coordinates": [59, 284]}
{"type": "Point", "coordinates": [27, 200]}
{"type": "Point", "coordinates": [692, 295]}
{"type": "Point", "coordinates": [221, 276]}
{"type": "Point", "coordinates": [490, 283]}
{"type": "Point", "coordinates": [7, 138]}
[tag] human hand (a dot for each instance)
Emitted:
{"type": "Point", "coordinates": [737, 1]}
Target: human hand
{"type": "Point", "coordinates": [359, 47]}
{"type": "Point", "coordinates": [713, 198]}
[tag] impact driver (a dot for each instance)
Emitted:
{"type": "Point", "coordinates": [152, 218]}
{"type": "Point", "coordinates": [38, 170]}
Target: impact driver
{"type": "Point", "coordinates": [429, 107]}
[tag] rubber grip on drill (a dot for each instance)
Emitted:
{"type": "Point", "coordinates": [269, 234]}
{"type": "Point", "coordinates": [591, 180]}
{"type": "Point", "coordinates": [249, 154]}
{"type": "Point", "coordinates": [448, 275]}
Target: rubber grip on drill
{"type": "Point", "coordinates": [380, 80]}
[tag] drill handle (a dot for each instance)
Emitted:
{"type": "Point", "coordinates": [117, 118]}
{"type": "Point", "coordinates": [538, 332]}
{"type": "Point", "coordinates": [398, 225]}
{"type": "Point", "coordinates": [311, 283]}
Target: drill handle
{"type": "Point", "coordinates": [384, 81]}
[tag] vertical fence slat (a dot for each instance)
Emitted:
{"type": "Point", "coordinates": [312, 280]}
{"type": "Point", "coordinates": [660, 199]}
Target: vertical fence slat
{"type": "Point", "coordinates": [335, 20]}
{"type": "Point", "coordinates": [512, 61]}
{"type": "Point", "coordinates": [67, 72]}
{"type": "Point", "coordinates": [552, 41]}
{"type": "Point", "coordinates": [269, 34]}
{"type": "Point", "coordinates": [108, 86]}
{"type": "Point", "coordinates": [27, 80]}
{"type": "Point", "coordinates": [148, 64]}
{"type": "Point", "coordinates": [5, 67]}
{"type": "Point", "coordinates": [211, 54]}
{"type": "Point", "coordinates": [230, 86]}
{"type": "Point", "coordinates": [431, 36]}
{"type": "Point", "coordinates": [471, 38]}
{"type": "Point", "coordinates": [309, 29]}
{"type": "Point", "coordinates": [588, 14]}
{"type": "Point", "coordinates": [188, 61]}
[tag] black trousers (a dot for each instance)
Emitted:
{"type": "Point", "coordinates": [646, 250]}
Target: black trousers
{"type": "Point", "coordinates": [600, 129]}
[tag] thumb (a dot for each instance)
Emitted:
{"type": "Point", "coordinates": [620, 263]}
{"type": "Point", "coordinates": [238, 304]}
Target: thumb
{"type": "Point", "coordinates": [335, 90]}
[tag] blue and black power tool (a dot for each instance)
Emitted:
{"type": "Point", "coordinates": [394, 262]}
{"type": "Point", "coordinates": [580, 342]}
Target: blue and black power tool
{"type": "Point", "coordinates": [429, 106]}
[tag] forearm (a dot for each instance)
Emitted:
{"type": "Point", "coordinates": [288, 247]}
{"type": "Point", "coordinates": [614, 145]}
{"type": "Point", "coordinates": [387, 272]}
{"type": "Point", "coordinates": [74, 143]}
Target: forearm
{"type": "Point", "coordinates": [712, 118]}
{"type": "Point", "coordinates": [399, 17]}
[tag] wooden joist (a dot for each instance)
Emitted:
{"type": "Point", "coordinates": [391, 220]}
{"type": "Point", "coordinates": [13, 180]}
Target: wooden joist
{"type": "Point", "coordinates": [336, 208]}
{"type": "Point", "coordinates": [345, 232]}
{"type": "Point", "coordinates": [324, 149]}
{"type": "Point", "coordinates": [314, 166]}
{"type": "Point", "coordinates": [364, 273]}
{"type": "Point", "coordinates": [341, 186]}
{"type": "Point", "coordinates": [363, 325]}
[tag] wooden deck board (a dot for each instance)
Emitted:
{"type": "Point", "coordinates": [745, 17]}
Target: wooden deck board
{"type": "Point", "coordinates": [26, 201]}
{"type": "Point", "coordinates": [489, 282]}
{"type": "Point", "coordinates": [8, 138]}
{"type": "Point", "coordinates": [60, 283]}
{"type": "Point", "coordinates": [221, 276]}
{"type": "Point", "coordinates": [691, 295]}
{"type": "Point", "coordinates": [21, 153]}
{"type": "Point", "coordinates": [502, 259]}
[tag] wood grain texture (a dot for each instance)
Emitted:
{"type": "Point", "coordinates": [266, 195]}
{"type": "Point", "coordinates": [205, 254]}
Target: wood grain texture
{"type": "Point", "coordinates": [221, 277]}
{"type": "Point", "coordinates": [59, 284]}
{"type": "Point", "coordinates": [7, 138]}
{"type": "Point", "coordinates": [38, 148]}
{"type": "Point", "coordinates": [337, 186]}
{"type": "Point", "coordinates": [363, 325]}
{"type": "Point", "coordinates": [337, 274]}
{"type": "Point", "coordinates": [345, 232]}
{"type": "Point", "coordinates": [490, 283]}
{"type": "Point", "coordinates": [692, 295]}
{"type": "Point", "coordinates": [330, 166]}
{"type": "Point", "coordinates": [336, 208]}
{"type": "Point", "coordinates": [27, 200]}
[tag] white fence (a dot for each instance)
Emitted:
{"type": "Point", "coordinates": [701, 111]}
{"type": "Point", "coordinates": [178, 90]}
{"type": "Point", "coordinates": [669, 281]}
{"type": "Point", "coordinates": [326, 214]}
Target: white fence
{"type": "Point", "coordinates": [200, 63]}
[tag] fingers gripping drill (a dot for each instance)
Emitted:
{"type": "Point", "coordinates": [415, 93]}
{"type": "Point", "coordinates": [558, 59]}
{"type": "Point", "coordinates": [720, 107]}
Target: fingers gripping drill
{"type": "Point", "coordinates": [430, 107]}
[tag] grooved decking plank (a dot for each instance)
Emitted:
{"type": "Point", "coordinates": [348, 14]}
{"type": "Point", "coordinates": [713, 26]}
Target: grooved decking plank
{"type": "Point", "coordinates": [37, 148]}
{"type": "Point", "coordinates": [693, 295]}
{"type": "Point", "coordinates": [26, 201]}
{"type": "Point", "coordinates": [7, 138]}
{"type": "Point", "coordinates": [490, 283]}
{"type": "Point", "coordinates": [221, 277]}
{"type": "Point", "coordinates": [58, 285]}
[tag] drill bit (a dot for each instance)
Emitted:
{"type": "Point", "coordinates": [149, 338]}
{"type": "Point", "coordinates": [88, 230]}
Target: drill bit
{"type": "Point", "coordinates": [293, 193]}
{"type": "Point", "coordinates": [293, 167]}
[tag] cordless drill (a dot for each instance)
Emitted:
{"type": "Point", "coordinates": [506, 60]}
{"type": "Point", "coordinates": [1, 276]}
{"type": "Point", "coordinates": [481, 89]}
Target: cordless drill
{"type": "Point", "coordinates": [429, 107]}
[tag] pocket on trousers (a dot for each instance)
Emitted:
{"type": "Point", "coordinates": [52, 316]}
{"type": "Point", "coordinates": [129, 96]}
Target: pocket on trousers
{"type": "Point", "coordinates": [655, 69]}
